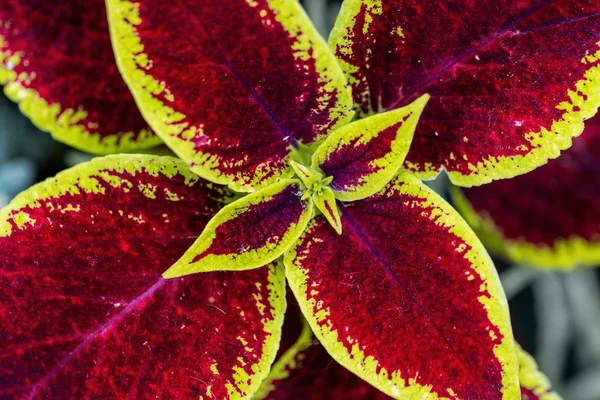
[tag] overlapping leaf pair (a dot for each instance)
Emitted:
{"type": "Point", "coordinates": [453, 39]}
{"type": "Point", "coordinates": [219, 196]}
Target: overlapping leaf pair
{"type": "Point", "coordinates": [391, 280]}
{"type": "Point", "coordinates": [303, 369]}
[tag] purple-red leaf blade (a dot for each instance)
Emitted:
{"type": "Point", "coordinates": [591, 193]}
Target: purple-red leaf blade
{"type": "Point", "coordinates": [304, 369]}
{"type": "Point", "coordinates": [250, 232]}
{"type": "Point", "coordinates": [507, 93]}
{"type": "Point", "coordinates": [548, 218]}
{"type": "Point", "coordinates": [234, 87]}
{"type": "Point", "coordinates": [363, 156]}
{"type": "Point", "coordinates": [85, 312]}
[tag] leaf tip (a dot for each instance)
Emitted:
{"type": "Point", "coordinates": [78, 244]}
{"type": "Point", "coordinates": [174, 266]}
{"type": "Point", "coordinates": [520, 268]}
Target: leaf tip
{"type": "Point", "coordinates": [338, 228]}
{"type": "Point", "coordinates": [422, 101]}
{"type": "Point", "coordinates": [171, 273]}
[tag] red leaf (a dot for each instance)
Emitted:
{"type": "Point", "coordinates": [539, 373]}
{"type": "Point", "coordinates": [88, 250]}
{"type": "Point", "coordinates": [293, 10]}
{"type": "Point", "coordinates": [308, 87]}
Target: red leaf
{"type": "Point", "coordinates": [407, 298]}
{"type": "Point", "coordinates": [85, 311]}
{"type": "Point", "coordinates": [362, 157]}
{"type": "Point", "coordinates": [57, 62]}
{"type": "Point", "coordinates": [549, 217]}
{"type": "Point", "coordinates": [250, 232]}
{"type": "Point", "coordinates": [232, 86]}
{"type": "Point", "coordinates": [510, 81]}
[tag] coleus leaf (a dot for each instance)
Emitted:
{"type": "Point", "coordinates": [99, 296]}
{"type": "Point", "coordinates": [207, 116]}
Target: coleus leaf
{"type": "Point", "coordinates": [534, 384]}
{"type": "Point", "coordinates": [250, 232]}
{"type": "Point", "coordinates": [325, 202]}
{"type": "Point", "coordinates": [407, 298]}
{"type": "Point", "coordinates": [362, 157]}
{"type": "Point", "coordinates": [85, 311]}
{"type": "Point", "coordinates": [236, 88]}
{"type": "Point", "coordinates": [57, 62]}
{"type": "Point", "coordinates": [506, 95]}
{"type": "Point", "coordinates": [548, 218]}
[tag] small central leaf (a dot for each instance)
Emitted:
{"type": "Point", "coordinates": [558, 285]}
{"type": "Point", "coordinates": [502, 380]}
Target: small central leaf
{"type": "Point", "coordinates": [248, 233]}
{"type": "Point", "coordinates": [362, 157]}
{"type": "Point", "coordinates": [308, 176]}
{"type": "Point", "coordinates": [325, 202]}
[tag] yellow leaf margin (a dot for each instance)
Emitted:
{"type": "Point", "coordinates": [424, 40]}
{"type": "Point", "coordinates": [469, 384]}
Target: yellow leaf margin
{"type": "Point", "coordinates": [532, 379]}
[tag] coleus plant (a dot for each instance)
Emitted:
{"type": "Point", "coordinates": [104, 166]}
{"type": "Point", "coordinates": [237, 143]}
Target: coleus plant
{"type": "Point", "coordinates": [392, 281]}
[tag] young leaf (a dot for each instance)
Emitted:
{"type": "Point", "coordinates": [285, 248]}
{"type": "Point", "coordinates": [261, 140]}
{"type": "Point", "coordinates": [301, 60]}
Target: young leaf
{"type": "Point", "coordinates": [250, 232]}
{"type": "Point", "coordinates": [534, 384]}
{"type": "Point", "coordinates": [407, 298]}
{"type": "Point", "coordinates": [325, 202]}
{"type": "Point", "coordinates": [548, 218]}
{"type": "Point", "coordinates": [85, 311]}
{"type": "Point", "coordinates": [304, 370]}
{"type": "Point", "coordinates": [507, 93]}
{"type": "Point", "coordinates": [306, 175]}
{"type": "Point", "coordinates": [57, 62]}
{"type": "Point", "coordinates": [234, 87]}
{"type": "Point", "coordinates": [364, 156]}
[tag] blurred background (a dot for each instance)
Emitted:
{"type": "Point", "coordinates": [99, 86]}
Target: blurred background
{"type": "Point", "coordinates": [556, 315]}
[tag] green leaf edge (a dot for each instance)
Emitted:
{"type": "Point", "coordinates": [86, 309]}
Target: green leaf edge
{"type": "Point", "coordinates": [83, 175]}
{"type": "Point", "coordinates": [274, 328]}
{"type": "Point", "coordinates": [532, 379]}
{"type": "Point", "coordinates": [63, 124]}
{"type": "Point", "coordinates": [287, 362]}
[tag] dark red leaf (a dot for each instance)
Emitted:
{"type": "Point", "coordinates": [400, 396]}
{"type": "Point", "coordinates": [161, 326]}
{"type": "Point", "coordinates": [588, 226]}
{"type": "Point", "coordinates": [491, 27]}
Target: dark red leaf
{"type": "Point", "coordinates": [549, 217]}
{"type": "Point", "coordinates": [234, 87]}
{"type": "Point", "coordinates": [57, 62]}
{"type": "Point", "coordinates": [363, 156]}
{"type": "Point", "coordinates": [407, 298]}
{"type": "Point", "coordinates": [510, 81]}
{"type": "Point", "coordinates": [250, 232]}
{"type": "Point", "coordinates": [85, 312]}
{"type": "Point", "coordinates": [304, 370]}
